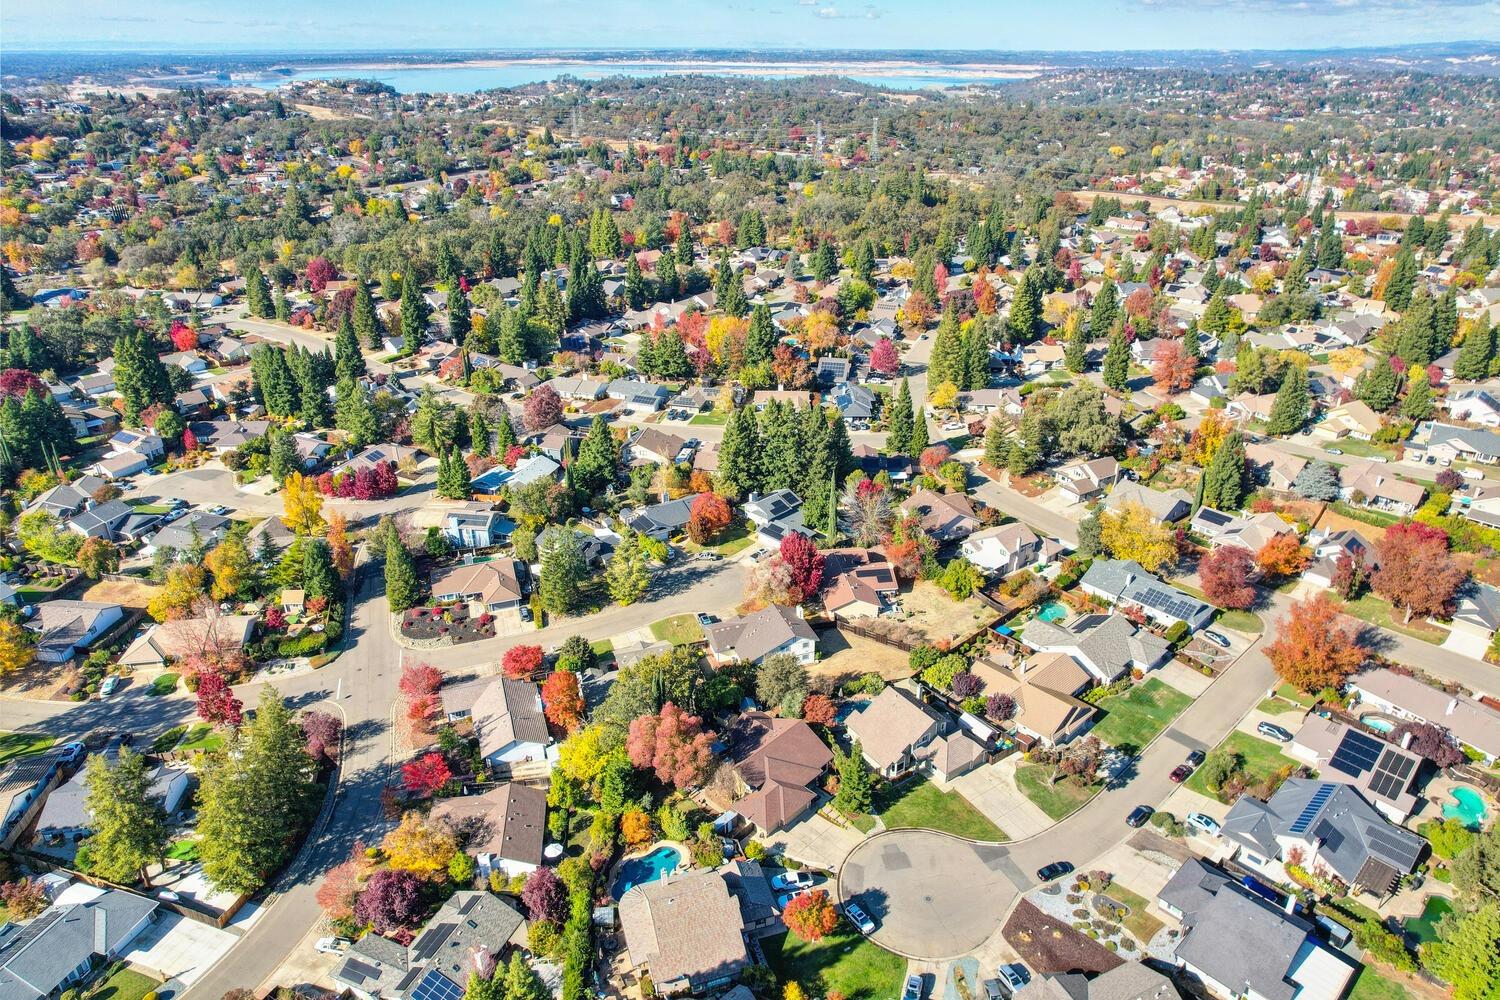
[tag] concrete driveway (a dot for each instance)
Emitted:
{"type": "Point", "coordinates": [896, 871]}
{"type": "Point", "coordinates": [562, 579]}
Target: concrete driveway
{"type": "Point", "coordinates": [176, 947]}
{"type": "Point", "coordinates": [992, 790]}
{"type": "Point", "coordinates": [816, 841]}
{"type": "Point", "coordinates": [933, 896]}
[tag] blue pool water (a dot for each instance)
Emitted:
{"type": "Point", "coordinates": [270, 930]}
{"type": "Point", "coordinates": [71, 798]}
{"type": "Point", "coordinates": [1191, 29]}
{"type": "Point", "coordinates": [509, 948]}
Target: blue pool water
{"type": "Point", "coordinates": [1053, 611]}
{"type": "Point", "coordinates": [1379, 725]}
{"type": "Point", "coordinates": [1468, 808]}
{"type": "Point", "coordinates": [647, 868]}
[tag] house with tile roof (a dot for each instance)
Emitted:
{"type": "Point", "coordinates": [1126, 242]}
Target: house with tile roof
{"type": "Point", "coordinates": [686, 931]}
{"type": "Point", "coordinates": [1045, 689]}
{"type": "Point", "coordinates": [898, 734]}
{"type": "Point", "coordinates": [777, 765]}
{"type": "Point", "coordinates": [495, 585]}
{"type": "Point", "coordinates": [946, 517]}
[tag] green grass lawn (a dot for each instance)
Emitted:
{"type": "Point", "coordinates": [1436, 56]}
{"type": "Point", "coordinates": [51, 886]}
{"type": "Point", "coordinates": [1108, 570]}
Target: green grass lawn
{"type": "Point", "coordinates": [922, 805]}
{"type": "Point", "coordinates": [679, 630]}
{"type": "Point", "coordinates": [201, 737]}
{"type": "Point", "coordinates": [844, 962]}
{"type": "Point", "coordinates": [13, 745]}
{"type": "Point", "coordinates": [740, 535]}
{"type": "Point", "coordinates": [1055, 800]}
{"type": "Point", "coordinates": [163, 685]}
{"type": "Point", "coordinates": [1378, 611]}
{"type": "Point", "coordinates": [151, 508]}
{"type": "Point", "coordinates": [1362, 449]}
{"type": "Point", "coordinates": [1371, 985]}
{"type": "Point", "coordinates": [167, 740]}
{"type": "Point", "coordinates": [1275, 706]}
{"type": "Point", "coordinates": [1140, 923]}
{"type": "Point", "coordinates": [1242, 621]}
{"type": "Point", "coordinates": [1292, 694]}
{"type": "Point", "coordinates": [1261, 759]}
{"type": "Point", "coordinates": [121, 984]}
{"type": "Point", "coordinates": [1135, 717]}
{"type": "Point", "coordinates": [185, 849]}
{"type": "Point", "coordinates": [713, 418]}
{"type": "Point", "coordinates": [1378, 518]}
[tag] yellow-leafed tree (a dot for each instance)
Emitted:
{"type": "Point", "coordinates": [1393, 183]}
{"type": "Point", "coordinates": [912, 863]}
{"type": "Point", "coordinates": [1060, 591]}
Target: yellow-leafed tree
{"type": "Point", "coordinates": [302, 503]}
{"type": "Point", "coordinates": [1133, 533]}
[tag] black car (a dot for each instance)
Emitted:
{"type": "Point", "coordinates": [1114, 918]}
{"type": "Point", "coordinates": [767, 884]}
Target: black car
{"type": "Point", "coordinates": [1056, 869]}
{"type": "Point", "coordinates": [1138, 817]}
{"type": "Point", "coordinates": [1195, 758]}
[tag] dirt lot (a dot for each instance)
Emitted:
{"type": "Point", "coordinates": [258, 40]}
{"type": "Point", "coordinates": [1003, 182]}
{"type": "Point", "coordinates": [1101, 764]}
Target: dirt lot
{"type": "Point", "coordinates": [846, 656]}
{"type": "Point", "coordinates": [129, 594]}
{"type": "Point", "coordinates": [937, 617]}
{"type": "Point", "coordinates": [1333, 521]}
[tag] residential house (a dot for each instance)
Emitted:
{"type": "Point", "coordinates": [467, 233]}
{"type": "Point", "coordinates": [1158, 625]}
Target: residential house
{"type": "Point", "coordinates": [65, 814]}
{"type": "Point", "coordinates": [831, 370]}
{"type": "Point", "coordinates": [68, 940]}
{"type": "Point", "coordinates": [1130, 981]}
{"type": "Point", "coordinates": [508, 720]}
{"type": "Point", "coordinates": [68, 499]}
{"type": "Point", "coordinates": [686, 932]}
{"type": "Point", "coordinates": [468, 932]}
{"type": "Point", "coordinates": [168, 641]}
{"type": "Point", "coordinates": [68, 628]}
{"type": "Point", "coordinates": [1352, 419]}
{"type": "Point", "coordinates": [1107, 645]}
{"type": "Point", "coordinates": [476, 526]}
{"type": "Point", "coordinates": [488, 484]}
{"type": "Point", "coordinates": [648, 446]}
{"type": "Point", "coordinates": [1475, 620]}
{"type": "Point", "coordinates": [1243, 947]}
{"type": "Point", "coordinates": [397, 456]}
{"type": "Point", "coordinates": [858, 404]}
{"type": "Point", "coordinates": [777, 764]}
{"type": "Point", "coordinates": [898, 734]}
{"type": "Point", "coordinates": [863, 591]}
{"type": "Point", "coordinates": [121, 466]}
{"type": "Point", "coordinates": [1470, 444]}
{"type": "Point", "coordinates": [1084, 481]}
{"type": "Point", "coordinates": [24, 784]}
{"type": "Point", "coordinates": [223, 436]}
{"type": "Point", "coordinates": [945, 517]}
{"type": "Point", "coordinates": [1045, 689]}
{"type": "Point", "coordinates": [196, 528]}
{"type": "Point", "coordinates": [762, 634]}
{"type": "Point", "coordinates": [113, 520]}
{"type": "Point", "coordinates": [1275, 467]}
{"type": "Point", "coordinates": [1007, 548]}
{"type": "Point", "coordinates": [495, 585]}
{"type": "Point", "coordinates": [1250, 533]}
{"type": "Point", "coordinates": [775, 515]}
{"type": "Point", "coordinates": [134, 442]}
{"type": "Point", "coordinates": [1164, 505]}
{"type": "Point", "coordinates": [503, 828]}
{"type": "Point", "coordinates": [1372, 484]}
{"type": "Point", "coordinates": [1384, 773]}
{"type": "Point", "coordinates": [662, 520]}
{"type": "Point", "coordinates": [790, 397]}
{"type": "Point", "coordinates": [1323, 826]}
{"type": "Point", "coordinates": [1476, 406]}
{"type": "Point", "coordinates": [1329, 548]}
{"type": "Point", "coordinates": [1124, 582]}
{"type": "Point", "coordinates": [639, 397]}
{"type": "Point", "coordinates": [1473, 723]}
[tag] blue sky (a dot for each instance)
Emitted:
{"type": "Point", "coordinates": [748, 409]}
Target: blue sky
{"type": "Point", "coordinates": [264, 25]}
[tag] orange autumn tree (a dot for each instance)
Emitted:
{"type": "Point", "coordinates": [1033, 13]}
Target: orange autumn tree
{"type": "Point", "coordinates": [1282, 556]}
{"type": "Point", "coordinates": [1316, 647]}
{"type": "Point", "coordinates": [1172, 369]}
{"type": "Point", "coordinates": [563, 700]}
{"type": "Point", "coordinates": [811, 916]}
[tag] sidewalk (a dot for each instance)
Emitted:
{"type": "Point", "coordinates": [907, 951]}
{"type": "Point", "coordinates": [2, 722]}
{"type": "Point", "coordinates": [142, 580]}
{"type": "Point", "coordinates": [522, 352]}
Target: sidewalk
{"type": "Point", "coordinates": [992, 790]}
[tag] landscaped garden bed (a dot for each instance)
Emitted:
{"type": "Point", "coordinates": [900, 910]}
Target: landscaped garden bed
{"type": "Point", "coordinates": [446, 624]}
{"type": "Point", "coordinates": [1049, 945]}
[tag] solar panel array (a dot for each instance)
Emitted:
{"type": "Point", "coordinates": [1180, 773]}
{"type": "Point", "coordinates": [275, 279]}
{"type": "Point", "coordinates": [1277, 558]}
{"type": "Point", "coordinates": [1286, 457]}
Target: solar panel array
{"type": "Point", "coordinates": [358, 971]}
{"type": "Point", "coordinates": [1356, 754]}
{"type": "Point", "coordinates": [427, 945]}
{"type": "Point", "coordinates": [436, 986]}
{"type": "Point", "coordinates": [1170, 601]}
{"type": "Point", "coordinates": [1211, 516]}
{"type": "Point", "coordinates": [1309, 811]}
{"type": "Point", "coordinates": [1392, 774]}
{"type": "Point", "coordinates": [1402, 852]}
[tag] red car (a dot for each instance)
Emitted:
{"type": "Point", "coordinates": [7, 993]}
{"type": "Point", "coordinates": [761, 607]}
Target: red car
{"type": "Point", "coordinates": [1180, 773]}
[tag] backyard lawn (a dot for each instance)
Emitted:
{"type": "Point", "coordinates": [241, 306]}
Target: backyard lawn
{"type": "Point", "coordinates": [1055, 800]}
{"type": "Point", "coordinates": [1135, 717]}
{"type": "Point", "coordinates": [14, 745]}
{"type": "Point", "coordinates": [679, 630]}
{"type": "Point", "coordinates": [185, 849]}
{"type": "Point", "coordinates": [1259, 760]}
{"type": "Point", "coordinates": [1371, 985]}
{"type": "Point", "coordinates": [844, 962]}
{"type": "Point", "coordinates": [921, 804]}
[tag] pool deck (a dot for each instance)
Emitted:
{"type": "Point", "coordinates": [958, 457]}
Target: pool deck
{"type": "Point", "coordinates": [685, 862]}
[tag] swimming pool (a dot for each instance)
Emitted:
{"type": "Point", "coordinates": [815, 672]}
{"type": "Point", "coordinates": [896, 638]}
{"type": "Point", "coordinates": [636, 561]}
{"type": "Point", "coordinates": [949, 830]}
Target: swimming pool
{"type": "Point", "coordinates": [1378, 724]}
{"type": "Point", "coordinates": [1052, 611]}
{"type": "Point", "coordinates": [1468, 808]}
{"type": "Point", "coordinates": [647, 868]}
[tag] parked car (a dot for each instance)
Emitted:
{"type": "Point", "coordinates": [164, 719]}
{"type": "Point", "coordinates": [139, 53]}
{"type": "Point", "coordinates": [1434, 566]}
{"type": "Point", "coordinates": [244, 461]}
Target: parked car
{"type": "Point", "coordinates": [859, 918]}
{"type": "Point", "coordinates": [332, 945]}
{"type": "Point", "coordinates": [1056, 869]}
{"type": "Point", "coordinates": [1195, 758]}
{"type": "Point", "coordinates": [993, 990]}
{"type": "Point", "coordinates": [1138, 817]}
{"type": "Point", "coordinates": [913, 989]}
{"type": "Point", "coordinates": [1015, 975]}
{"type": "Point", "coordinates": [792, 880]}
{"type": "Point", "coordinates": [1274, 731]}
{"type": "Point", "coordinates": [525, 613]}
{"type": "Point", "coordinates": [71, 753]}
{"type": "Point", "coordinates": [1217, 639]}
{"type": "Point", "coordinates": [707, 619]}
{"type": "Point", "coordinates": [786, 897]}
{"type": "Point", "coordinates": [1334, 451]}
{"type": "Point", "coordinates": [111, 685]}
{"type": "Point", "coordinates": [1203, 824]}
{"type": "Point", "coordinates": [1180, 773]}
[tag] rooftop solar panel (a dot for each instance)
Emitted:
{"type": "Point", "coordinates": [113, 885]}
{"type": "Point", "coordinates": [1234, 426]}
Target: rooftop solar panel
{"type": "Point", "coordinates": [427, 945]}
{"type": "Point", "coordinates": [436, 986]}
{"type": "Point", "coordinates": [1309, 811]}
{"type": "Point", "coordinates": [1395, 850]}
{"type": "Point", "coordinates": [358, 971]}
{"type": "Point", "coordinates": [1356, 754]}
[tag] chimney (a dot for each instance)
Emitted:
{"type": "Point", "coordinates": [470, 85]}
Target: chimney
{"type": "Point", "coordinates": [1406, 740]}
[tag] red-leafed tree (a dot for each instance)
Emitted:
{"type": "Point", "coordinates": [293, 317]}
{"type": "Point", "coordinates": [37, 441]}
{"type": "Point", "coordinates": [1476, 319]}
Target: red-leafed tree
{"type": "Point", "coordinates": [383, 481]}
{"type": "Point", "coordinates": [183, 337]}
{"type": "Point", "coordinates": [1430, 740]}
{"type": "Point", "coordinates": [217, 704]}
{"type": "Point", "coordinates": [542, 409]}
{"type": "Point", "coordinates": [24, 898]}
{"type": "Point", "coordinates": [708, 516]}
{"type": "Point", "coordinates": [323, 731]}
{"type": "Point", "coordinates": [673, 744]}
{"type": "Point", "coordinates": [1316, 647]}
{"type": "Point", "coordinates": [392, 898]}
{"type": "Point", "coordinates": [1225, 575]}
{"type": "Point", "coordinates": [802, 558]}
{"type": "Point", "coordinates": [1172, 370]}
{"type": "Point", "coordinates": [819, 709]}
{"type": "Point", "coordinates": [18, 382]}
{"type": "Point", "coordinates": [419, 679]}
{"type": "Point", "coordinates": [521, 661]}
{"type": "Point", "coordinates": [319, 273]}
{"type": "Point", "coordinates": [563, 700]}
{"type": "Point", "coordinates": [545, 896]}
{"type": "Point", "coordinates": [883, 357]}
{"type": "Point", "coordinates": [189, 440]}
{"type": "Point", "coordinates": [811, 916]}
{"type": "Point", "coordinates": [340, 888]}
{"type": "Point", "coordinates": [933, 458]}
{"type": "Point", "coordinates": [426, 774]}
{"type": "Point", "coordinates": [1415, 571]}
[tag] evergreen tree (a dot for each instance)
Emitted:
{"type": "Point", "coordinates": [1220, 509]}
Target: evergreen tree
{"type": "Point", "coordinates": [684, 247]}
{"type": "Point", "coordinates": [782, 459]}
{"type": "Point", "coordinates": [1217, 315]}
{"type": "Point", "coordinates": [760, 341]}
{"type": "Point", "coordinates": [1117, 362]}
{"type": "Point", "coordinates": [505, 434]}
{"type": "Point", "coordinates": [919, 441]}
{"type": "Point", "coordinates": [825, 263]}
{"type": "Point", "coordinates": [997, 442]}
{"type": "Point", "coordinates": [1476, 353]}
{"type": "Point", "coordinates": [635, 284]}
{"type": "Point", "coordinates": [1026, 306]}
{"type": "Point", "coordinates": [460, 322]}
{"type": "Point", "coordinates": [629, 572]}
{"type": "Point", "coordinates": [1075, 355]}
{"type": "Point", "coordinates": [140, 377]}
{"type": "Point", "coordinates": [319, 578]}
{"type": "Point", "coordinates": [563, 569]}
{"type": "Point", "coordinates": [283, 459]}
{"type": "Point", "coordinates": [898, 437]}
{"type": "Point", "coordinates": [598, 459]}
{"type": "Point", "coordinates": [1418, 404]}
{"type": "Point", "coordinates": [976, 367]}
{"type": "Point", "coordinates": [453, 475]}
{"type": "Point", "coordinates": [258, 295]}
{"type": "Point", "coordinates": [864, 262]}
{"type": "Point", "coordinates": [128, 823]}
{"type": "Point", "coordinates": [414, 312]}
{"type": "Point", "coordinates": [1445, 321]}
{"type": "Point", "coordinates": [1030, 443]}
{"type": "Point", "coordinates": [402, 589]}
{"type": "Point", "coordinates": [1377, 386]}
{"type": "Point", "coordinates": [349, 361]}
{"type": "Point", "coordinates": [366, 320]}
{"type": "Point", "coordinates": [947, 361]}
{"type": "Point", "coordinates": [521, 982]}
{"type": "Point", "coordinates": [511, 343]}
{"type": "Point", "coordinates": [738, 474]}
{"type": "Point", "coordinates": [1330, 245]}
{"type": "Point", "coordinates": [1224, 488]}
{"type": "Point", "coordinates": [856, 794]}
{"type": "Point", "coordinates": [353, 413]}
{"type": "Point", "coordinates": [585, 290]}
{"type": "Point", "coordinates": [666, 278]}
{"type": "Point", "coordinates": [1403, 279]}
{"type": "Point", "coordinates": [1290, 409]}
{"type": "Point", "coordinates": [1105, 309]}
{"type": "Point", "coordinates": [479, 429]}
{"type": "Point", "coordinates": [281, 306]}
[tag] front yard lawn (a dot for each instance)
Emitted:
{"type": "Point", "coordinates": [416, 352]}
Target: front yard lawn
{"type": "Point", "coordinates": [201, 736]}
{"type": "Point", "coordinates": [1135, 717]}
{"type": "Point", "coordinates": [121, 984]}
{"type": "Point", "coordinates": [679, 630]}
{"type": "Point", "coordinates": [1275, 706]}
{"type": "Point", "coordinates": [1378, 611]}
{"type": "Point", "coordinates": [1140, 923]}
{"type": "Point", "coordinates": [740, 535]}
{"type": "Point", "coordinates": [13, 745]}
{"type": "Point", "coordinates": [844, 962]}
{"type": "Point", "coordinates": [1055, 800]}
{"type": "Point", "coordinates": [1259, 760]}
{"type": "Point", "coordinates": [1242, 621]}
{"type": "Point", "coordinates": [921, 804]}
{"type": "Point", "coordinates": [163, 685]}
{"type": "Point", "coordinates": [1362, 449]}
{"type": "Point", "coordinates": [713, 418]}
